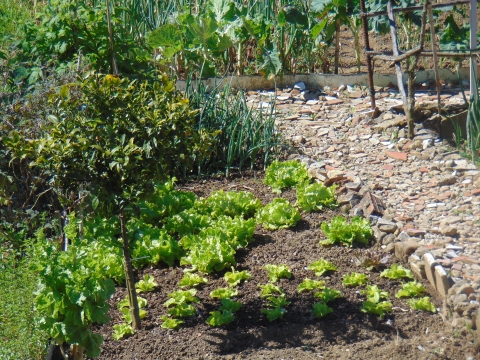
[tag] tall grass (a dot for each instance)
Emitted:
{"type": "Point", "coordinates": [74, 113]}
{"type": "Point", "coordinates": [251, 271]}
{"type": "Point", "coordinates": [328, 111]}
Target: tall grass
{"type": "Point", "coordinates": [20, 337]}
{"type": "Point", "coordinates": [246, 136]}
{"type": "Point", "coordinates": [472, 142]}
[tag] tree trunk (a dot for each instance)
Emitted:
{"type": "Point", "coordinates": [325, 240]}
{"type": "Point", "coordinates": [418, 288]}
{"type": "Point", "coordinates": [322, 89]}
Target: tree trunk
{"type": "Point", "coordinates": [356, 43]}
{"type": "Point", "coordinates": [130, 280]}
{"type": "Point", "coordinates": [240, 59]}
{"type": "Point", "coordinates": [337, 44]}
{"type": "Point", "coordinates": [409, 111]}
{"type": "Point", "coordinates": [110, 38]}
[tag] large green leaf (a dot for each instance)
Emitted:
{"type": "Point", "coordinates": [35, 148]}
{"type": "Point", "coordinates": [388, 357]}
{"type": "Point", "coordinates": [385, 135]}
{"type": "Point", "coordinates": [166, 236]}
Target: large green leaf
{"type": "Point", "coordinates": [224, 10]}
{"type": "Point", "coordinates": [296, 17]}
{"type": "Point", "coordinates": [167, 37]}
{"type": "Point", "coordinates": [271, 65]}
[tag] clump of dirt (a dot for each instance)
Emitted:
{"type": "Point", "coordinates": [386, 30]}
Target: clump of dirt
{"type": "Point", "coordinates": [345, 333]}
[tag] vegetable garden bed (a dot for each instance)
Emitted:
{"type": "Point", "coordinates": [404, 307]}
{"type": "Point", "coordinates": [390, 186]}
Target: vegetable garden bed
{"type": "Point", "coordinates": [344, 333]}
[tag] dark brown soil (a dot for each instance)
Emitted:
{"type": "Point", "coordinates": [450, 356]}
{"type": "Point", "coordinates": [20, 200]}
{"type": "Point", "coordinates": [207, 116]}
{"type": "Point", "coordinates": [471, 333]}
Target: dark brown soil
{"type": "Point", "coordinates": [345, 333]}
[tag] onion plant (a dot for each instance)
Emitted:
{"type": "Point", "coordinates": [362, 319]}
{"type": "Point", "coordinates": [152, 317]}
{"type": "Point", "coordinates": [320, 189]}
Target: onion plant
{"type": "Point", "coordinates": [244, 135]}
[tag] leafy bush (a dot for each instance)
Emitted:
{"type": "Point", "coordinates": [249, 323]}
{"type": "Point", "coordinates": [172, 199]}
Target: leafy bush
{"type": "Point", "coordinates": [397, 272]}
{"type": "Point", "coordinates": [276, 272]}
{"type": "Point", "coordinates": [122, 122]}
{"type": "Point", "coordinates": [339, 231]}
{"type": "Point", "coordinates": [315, 197]}
{"type": "Point", "coordinates": [72, 297]}
{"type": "Point", "coordinates": [279, 214]}
{"type": "Point", "coordinates": [283, 175]}
{"type": "Point", "coordinates": [321, 266]}
{"type": "Point", "coordinates": [354, 279]}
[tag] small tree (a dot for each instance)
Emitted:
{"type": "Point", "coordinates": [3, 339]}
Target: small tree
{"type": "Point", "coordinates": [118, 137]}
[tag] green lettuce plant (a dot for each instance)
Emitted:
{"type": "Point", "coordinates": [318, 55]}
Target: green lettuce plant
{"type": "Point", "coordinates": [423, 304]}
{"type": "Point", "coordinates": [276, 272]}
{"type": "Point", "coordinates": [169, 323]}
{"type": "Point", "coordinates": [218, 318]}
{"type": "Point", "coordinates": [338, 230]}
{"type": "Point", "coordinates": [223, 293]}
{"type": "Point", "coordinates": [192, 280]}
{"type": "Point", "coordinates": [315, 197]}
{"type": "Point", "coordinates": [374, 294]}
{"type": "Point", "coordinates": [230, 203]}
{"type": "Point", "coordinates": [269, 290]}
{"type": "Point", "coordinates": [122, 330]}
{"type": "Point", "coordinates": [233, 278]}
{"type": "Point", "coordinates": [279, 214]}
{"type": "Point", "coordinates": [230, 305]}
{"type": "Point", "coordinates": [181, 310]}
{"type": "Point", "coordinates": [148, 283]}
{"type": "Point", "coordinates": [328, 294]}
{"type": "Point", "coordinates": [182, 296]}
{"type": "Point", "coordinates": [397, 272]}
{"type": "Point", "coordinates": [310, 285]}
{"type": "Point", "coordinates": [286, 174]}
{"type": "Point", "coordinates": [320, 309]}
{"type": "Point", "coordinates": [321, 266]}
{"type": "Point", "coordinates": [278, 301]}
{"type": "Point", "coordinates": [274, 314]}
{"type": "Point", "coordinates": [354, 279]}
{"type": "Point", "coordinates": [411, 289]}
{"type": "Point", "coordinates": [376, 308]}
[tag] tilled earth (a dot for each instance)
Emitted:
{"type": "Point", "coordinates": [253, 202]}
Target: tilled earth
{"type": "Point", "coordinates": [345, 333]}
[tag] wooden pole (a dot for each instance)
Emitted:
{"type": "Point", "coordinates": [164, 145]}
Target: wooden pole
{"type": "Point", "coordinates": [371, 88]}
{"type": "Point", "coordinates": [398, 66]}
{"type": "Point", "coordinates": [434, 51]}
{"type": "Point", "coordinates": [473, 47]}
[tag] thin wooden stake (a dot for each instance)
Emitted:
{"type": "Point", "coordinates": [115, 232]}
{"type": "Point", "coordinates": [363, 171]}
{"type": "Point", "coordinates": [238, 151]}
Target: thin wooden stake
{"type": "Point", "coordinates": [435, 61]}
{"type": "Point", "coordinates": [371, 87]}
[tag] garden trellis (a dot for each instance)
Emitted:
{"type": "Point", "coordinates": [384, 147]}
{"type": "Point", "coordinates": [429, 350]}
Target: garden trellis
{"type": "Point", "coordinates": [396, 56]}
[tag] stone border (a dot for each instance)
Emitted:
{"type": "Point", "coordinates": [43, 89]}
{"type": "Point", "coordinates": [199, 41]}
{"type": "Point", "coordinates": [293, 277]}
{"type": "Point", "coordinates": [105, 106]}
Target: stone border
{"type": "Point", "coordinates": [320, 80]}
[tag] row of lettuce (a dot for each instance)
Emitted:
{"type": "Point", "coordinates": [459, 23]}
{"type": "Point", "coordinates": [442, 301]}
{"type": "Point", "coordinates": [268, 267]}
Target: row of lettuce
{"type": "Point", "coordinates": [180, 303]}
{"type": "Point", "coordinates": [202, 234]}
